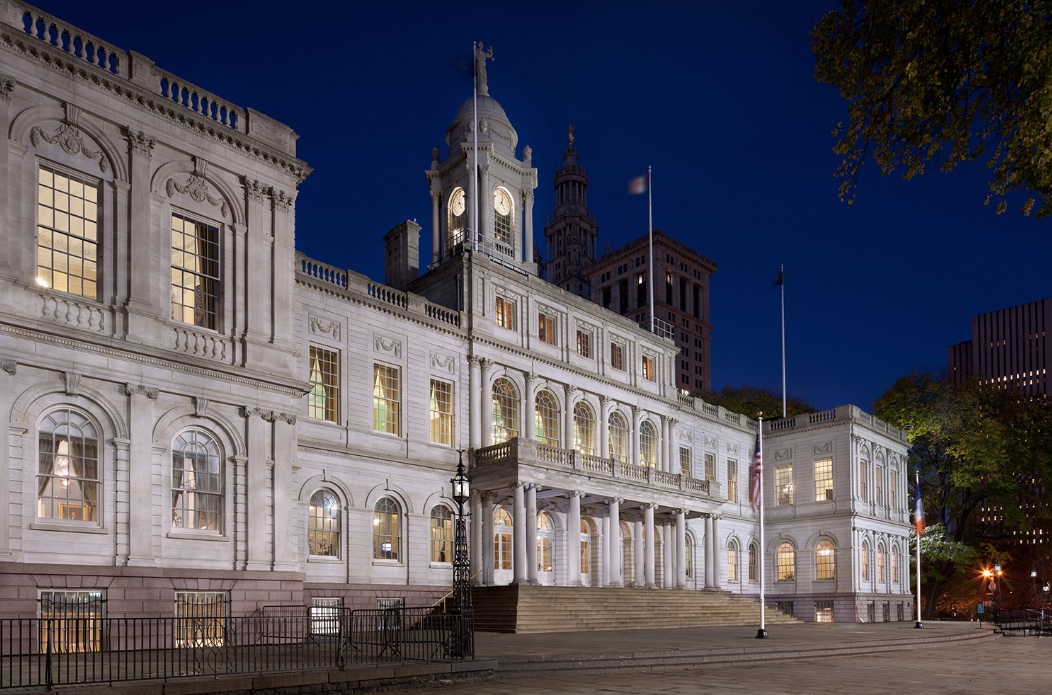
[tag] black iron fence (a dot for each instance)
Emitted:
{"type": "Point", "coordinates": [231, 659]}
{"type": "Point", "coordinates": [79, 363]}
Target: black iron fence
{"type": "Point", "coordinates": [92, 649]}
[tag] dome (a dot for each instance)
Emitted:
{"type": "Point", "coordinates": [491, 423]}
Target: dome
{"type": "Point", "coordinates": [494, 127]}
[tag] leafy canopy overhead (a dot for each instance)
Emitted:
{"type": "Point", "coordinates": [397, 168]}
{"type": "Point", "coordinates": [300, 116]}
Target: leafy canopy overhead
{"type": "Point", "coordinates": [750, 400]}
{"type": "Point", "coordinates": [943, 82]}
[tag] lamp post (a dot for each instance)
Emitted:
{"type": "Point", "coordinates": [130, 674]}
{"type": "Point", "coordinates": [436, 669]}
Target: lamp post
{"type": "Point", "coordinates": [1033, 584]}
{"type": "Point", "coordinates": [462, 625]}
{"type": "Point", "coordinates": [997, 593]}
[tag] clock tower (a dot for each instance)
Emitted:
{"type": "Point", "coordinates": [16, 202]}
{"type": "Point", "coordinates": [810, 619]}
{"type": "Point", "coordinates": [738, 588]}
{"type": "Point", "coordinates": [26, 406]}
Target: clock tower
{"type": "Point", "coordinates": [571, 231]}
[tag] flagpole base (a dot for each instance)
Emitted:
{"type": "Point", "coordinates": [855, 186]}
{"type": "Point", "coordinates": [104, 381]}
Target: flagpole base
{"type": "Point", "coordinates": [761, 634]}
{"type": "Point", "coordinates": [918, 625]}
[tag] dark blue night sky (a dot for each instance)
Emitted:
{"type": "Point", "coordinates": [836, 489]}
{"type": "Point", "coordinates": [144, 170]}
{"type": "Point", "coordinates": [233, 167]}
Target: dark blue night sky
{"type": "Point", "coordinates": [718, 97]}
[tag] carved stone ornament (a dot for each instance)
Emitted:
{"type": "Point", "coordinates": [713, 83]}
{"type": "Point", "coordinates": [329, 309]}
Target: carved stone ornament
{"type": "Point", "coordinates": [72, 383]}
{"type": "Point", "coordinates": [9, 366]}
{"type": "Point", "coordinates": [824, 448]}
{"type": "Point", "coordinates": [248, 411]}
{"type": "Point", "coordinates": [388, 345]}
{"type": "Point", "coordinates": [139, 143]}
{"type": "Point", "coordinates": [197, 188]}
{"type": "Point", "coordinates": [6, 87]}
{"type": "Point", "coordinates": [320, 326]}
{"type": "Point", "coordinates": [443, 362]}
{"type": "Point", "coordinates": [282, 200]}
{"type": "Point", "coordinates": [732, 448]}
{"type": "Point", "coordinates": [710, 441]}
{"type": "Point", "coordinates": [256, 191]}
{"type": "Point", "coordinates": [287, 417]}
{"type": "Point", "coordinates": [140, 390]}
{"type": "Point", "coordinates": [783, 454]}
{"type": "Point", "coordinates": [200, 406]}
{"type": "Point", "coordinates": [70, 140]}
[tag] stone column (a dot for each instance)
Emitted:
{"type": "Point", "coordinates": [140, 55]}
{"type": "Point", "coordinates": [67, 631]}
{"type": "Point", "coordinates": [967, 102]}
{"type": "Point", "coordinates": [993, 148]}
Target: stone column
{"type": "Point", "coordinates": [284, 430]}
{"type": "Point", "coordinates": [436, 199]}
{"type": "Point", "coordinates": [141, 400]}
{"type": "Point", "coordinates": [518, 517]}
{"type": "Point", "coordinates": [9, 258]}
{"type": "Point", "coordinates": [666, 463]}
{"type": "Point", "coordinates": [530, 428]}
{"type": "Point", "coordinates": [282, 256]}
{"type": "Point", "coordinates": [614, 543]}
{"type": "Point", "coordinates": [717, 556]}
{"type": "Point", "coordinates": [485, 204]}
{"type": "Point", "coordinates": [259, 464]}
{"type": "Point", "coordinates": [668, 573]}
{"type": "Point", "coordinates": [485, 406]}
{"type": "Point", "coordinates": [637, 552]}
{"type": "Point", "coordinates": [603, 426]}
{"type": "Point", "coordinates": [531, 534]}
{"type": "Point", "coordinates": [569, 439]}
{"type": "Point", "coordinates": [8, 369]}
{"type": "Point", "coordinates": [256, 247]}
{"type": "Point", "coordinates": [488, 558]}
{"type": "Point", "coordinates": [140, 289]}
{"type": "Point", "coordinates": [708, 551]}
{"type": "Point", "coordinates": [634, 454]}
{"type": "Point", "coordinates": [528, 227]}
{"type": "Point", "coordinates": [573, 540]}
{"type": "Point", "coordinates": [648, 541]}
{"type": "Point", "coordinates": [681, 549]}
{"type": "Point", "coordinates": [476, 522]}
{"type": "Point", "coordinates": [474, 397]}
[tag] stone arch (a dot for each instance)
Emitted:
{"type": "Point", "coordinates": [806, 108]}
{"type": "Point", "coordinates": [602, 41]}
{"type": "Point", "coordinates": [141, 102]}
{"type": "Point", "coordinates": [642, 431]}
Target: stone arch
{"type": "Point", "coordinates": [180, 417]}
{"type": "Point", "coordinates": [234, 204]}
{"type": "Point", "coordinates": [32, 402]}
{"type": "Point", "coordinates": [21, 131]}
{"type": "Point", "coordinates": [394, 492]}
{"type": "Point", "coordinates": [315, 483]}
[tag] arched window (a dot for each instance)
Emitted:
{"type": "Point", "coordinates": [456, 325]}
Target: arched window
{"type": "Point", "coordinates": [882, 563]}
{"type": "Point", "coordinates": [825, 561]}
{"type": "Point", "coordinates": [647, 444]}
{"type": "Point", "coordinates": [457, 218]}
{"type": "Point", "coordinates": [618, 433]}
{"type": "Point", "coordinates": [197, 482]}
{"type": "Point", "coordinates": [441, 534]}
{"type": "Point", "coordinates": [586, 552]}
{"type": "Point", "coordinates": [584, 429]}
{"type": "Point", "coordinates": [505, 407]}
{"type": "Point", "coordinates": [732, 561]}
{"type": "Point", "coordinates": [323, 524]}
{"type": "Point", "coordinates": [865, 561]}
{"type": "Point", "coordinates": [785, 563]}
{"type": "Point", "coordinates": [502, 531]}
{"type": "Point", "coordinates": [893, 488]}
{"type": "Point", "coordinates": [754, 563]}
{"type": "Point", "coordinates": [863, 476]}
{"type": "Point", "coordinates": [895, 579]}
{"type": "Point", "coordinates": [544, 542]}
{"type": "Point", "coordinates": [546, 418]}
{"type": "Point", "coordinates": [68, 478]}
{"type": "Point", "coordinates": [387, 522]}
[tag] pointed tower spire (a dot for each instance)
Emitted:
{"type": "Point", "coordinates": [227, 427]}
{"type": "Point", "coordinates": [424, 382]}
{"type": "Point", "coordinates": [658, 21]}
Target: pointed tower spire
{"type": "Point", "coordinates": [572, 230]}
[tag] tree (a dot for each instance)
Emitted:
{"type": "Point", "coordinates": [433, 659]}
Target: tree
{"type": "Point", "coordinates": [749, 400]}
{"type": "Point", "coordinates": [943, 81]}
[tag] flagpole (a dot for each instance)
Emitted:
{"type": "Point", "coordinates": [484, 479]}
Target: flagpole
{"type": "Point", "coordinates": [919, 510]}
{"type": "Point", "coordinates": [650, 235]}
{"type": "Point", "coordinates": [762, 632]}
{"type": "Point", "coordinates": [781, 281]}
{"type": "Point", "coordinates": [475, 150]}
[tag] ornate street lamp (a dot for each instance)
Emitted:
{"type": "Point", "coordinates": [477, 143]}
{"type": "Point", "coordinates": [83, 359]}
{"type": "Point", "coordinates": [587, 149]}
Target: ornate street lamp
{"type": "Point", "coordinates": [997, 593]}
{"type": "Point", "coordinates": [463, 624]}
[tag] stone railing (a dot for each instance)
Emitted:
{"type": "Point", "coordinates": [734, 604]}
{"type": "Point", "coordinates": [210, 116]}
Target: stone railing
{"type": "Point", "coordinates": [66, 310]}
{"type": "Point", "coordinates": [199, 344]}
{"type": "Point", "coordinates": [349, 284]}
{"type": "Point", "coordinates": [844, 413]}
{"type": "Point", "coordinates": [525, 451]}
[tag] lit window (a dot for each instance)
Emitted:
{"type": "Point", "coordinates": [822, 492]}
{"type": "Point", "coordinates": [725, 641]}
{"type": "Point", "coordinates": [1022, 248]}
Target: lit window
{"type": "Point", "coordinates": [197, 482]}
{"type": "Point", "coordinates": [71, 621]}
{"type": "Point", "coordinates": [617, 356]}
{"type": "Point", "coordinates": [546, 419]}
{"type": "Point", "coordinates": [824, 480]}
{"type": "Point", "coordinates": [732, 480]}
{"type": "Point", "coordinates": [863, 476]}
{"type": "Point", "coordinates": [544, 543]}
{"type": "Point", "coordinates": [457, 217]}
{"type": "Point", "coordinates": [895, 564]}
{"type": "Point", "coordinates": [67, 233]}
{"type": "Point", "coordinates": [618, 437]}
{"type": "Point", "coordinates": [502, 532]}
{"type": "Point", "coordinates": [865, 561]}
{"type": "Point", "coordinates": [785, 562]}
{"type": "Point", "coordinates": [583, 429]}
{"type": "Point", "coordinates": [195, 272]}
{"type": "Point", "coordinates": [386, 399]}
{"type": "Point", "coordinates": [505, 313]}
{"type": "Point", "coordinates": [648, 444]}
{"type": "Point", "coordinates": [546, 328]}
{"type": "Point", "coordinates": [324, 397]}
{"type": "Point", "coordinates": [386, 529]}
{"type": "Point", "coordinates": [441, 534]}
{"type": "Point", "coordinates": [893, 489]}
{"type": "Point", "coordinates": [783, 483]}
{"type": "Point", "coordinates": [732, 562]}
{"type": "Point", "coordinates": [504, 217]}
{"type": "Point", "coordinates": [882, 564]}
{"type": "Point", "coordinates": [441, 404]}
{"type": "Point", "coordinates": [68, 479]}
{"type": "Point", "coordinates": [505, 409]}
{"type": "Point", "coordinates": [754, 573]}
{"type": "Point", "coordinates": [584, 343]}
{"type": "Point", "coordinates": [648, 368]}
{"type": "Point", "coordinates": [325, 615]}
{"type": "Point", "coordinates": [710, 465]}
{"type": "Point", "coordinates": [586, 550]}
{"type": "Point", "coordinates": [878, 485]}
{"type": "Point", "coordinates": [685, 460]}
{"type": "Point", "coordinates": [200, 618]}
{"type": "Point", "coordinates": [323, 524]}
{"type": "Point", "coordinates": [825, 561]}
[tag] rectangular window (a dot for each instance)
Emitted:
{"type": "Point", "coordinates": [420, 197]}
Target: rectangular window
{"type": "Point", "coordinates": [641, 290]}
{"type": "Point", "coordinates": [648, 368]}
{"type": "Point", "coordinates": [325, 615]}
{"type": "Point", "coordinates": [324, 397]}
{"type": "Point", "coordinates": [823, 611]}
{"type": "Point", "coordinates": [824, 480]}
{"type": "Point", "coordinates": [545, 328]}
{"type": "Point", "coordinates": [732, 480]}
{"type": "Point", "coordinates": [67, 233]}
{"type": "Point", "coordinates": [606, 297]}
{"type": "Point", "coordinates": [863, 474]}
{"type": "Point", "coordinates": [386, 399]}
{"type": "Point", "coordinates": [441, 412]}
{"type": "Point", "coordinates": [682, 294]}
{"type": "Point", "coordinates": [622, 296]}
{"type": "Point", "coordinates": [505, 313]}
{"type": "Point", "coordinates": [710, 465]}
{"type": "Point", "coordinates": [200, 618]}
{"type": "Point", "coordinates": [195, 272]}
{"type": "Point", "coordinates": [584, 343]}
{"type": "Point", "coordinates": [390, 614]}
{"type": "Point", "coordinates": [71, 621]}
{"type": "Point", "coordinates": [685, 461]}
{"type": "Point", "coordinates": [783, 483]}
{"type": "Point", "coordinates": [893, 490]}
{"type": "Point", "coordinates": [617, 356]}
{"type": "Point", "coordinates": [668, 289]}
{"type": "Point", "coordinates": [878, 486]}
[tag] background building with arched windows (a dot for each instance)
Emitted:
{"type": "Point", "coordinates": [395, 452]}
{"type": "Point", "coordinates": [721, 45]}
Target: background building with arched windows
{"type": "Point", "coordinates": [199, 416]}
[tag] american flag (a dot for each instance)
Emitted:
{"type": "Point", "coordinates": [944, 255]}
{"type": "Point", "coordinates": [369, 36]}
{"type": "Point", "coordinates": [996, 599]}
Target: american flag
{"type": "Point", "coordinates": [757, 477]}
{"type": "Point", "coordinates": [918, 511]}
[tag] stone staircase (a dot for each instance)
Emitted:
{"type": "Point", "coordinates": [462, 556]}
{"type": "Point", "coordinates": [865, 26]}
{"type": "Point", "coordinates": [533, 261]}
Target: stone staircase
{"type": "Point", "coordinates": [523, 609]}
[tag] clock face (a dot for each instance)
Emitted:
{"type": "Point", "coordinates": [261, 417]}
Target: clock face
{"type": "Point", "coordinates": [456, 204]}
{"type": "Point", "coordinates": [502, 202]}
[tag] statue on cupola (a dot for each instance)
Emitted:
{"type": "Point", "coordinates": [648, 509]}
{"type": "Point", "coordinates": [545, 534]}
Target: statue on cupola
{"type": "Point", "coordinates": [481, 56]}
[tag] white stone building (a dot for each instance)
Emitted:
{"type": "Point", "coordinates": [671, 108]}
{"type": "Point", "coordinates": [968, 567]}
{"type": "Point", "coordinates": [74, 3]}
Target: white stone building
{"type": "Point", "coordinates": [198, 415]}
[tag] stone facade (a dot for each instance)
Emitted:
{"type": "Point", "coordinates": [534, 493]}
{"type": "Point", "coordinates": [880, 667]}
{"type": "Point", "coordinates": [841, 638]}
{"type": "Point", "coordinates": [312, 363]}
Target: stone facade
{"type": "Point", "coordinates": [194, 408]}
